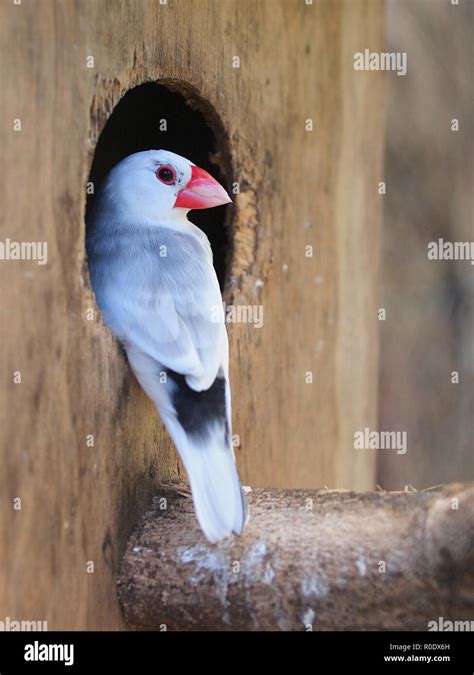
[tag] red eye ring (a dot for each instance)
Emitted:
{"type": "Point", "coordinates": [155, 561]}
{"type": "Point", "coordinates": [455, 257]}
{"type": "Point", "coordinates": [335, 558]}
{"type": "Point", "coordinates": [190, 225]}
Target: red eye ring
{"type": "Point", "coordinates": [166, 174]}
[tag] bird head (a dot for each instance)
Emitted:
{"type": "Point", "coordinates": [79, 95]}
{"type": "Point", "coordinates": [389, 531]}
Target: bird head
{"type": "Point", "coordinates": [159, 183]}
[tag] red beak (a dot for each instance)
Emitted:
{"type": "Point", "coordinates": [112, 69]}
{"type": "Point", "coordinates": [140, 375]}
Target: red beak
{"type": "Point", "coordinates": [202, 192]}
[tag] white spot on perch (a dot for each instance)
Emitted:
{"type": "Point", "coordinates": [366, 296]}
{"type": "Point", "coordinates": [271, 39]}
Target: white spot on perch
{"type": "Point", "coordinates": [207, 560]}
{"type": "Point", "coordinates": [256, 566]}
{"type": "Point", "coordinates": [314, 587]}
{"type": "Point", "coordinates": [256, 553]}
{"type": "Point", "coordinates": [203, 557]}
{"type": "Point", "coordinates": [361, 566]}
{"type": "Point", "coordinates": [268, 575]}
{"type": "Point", "coordinates": [308, 616]}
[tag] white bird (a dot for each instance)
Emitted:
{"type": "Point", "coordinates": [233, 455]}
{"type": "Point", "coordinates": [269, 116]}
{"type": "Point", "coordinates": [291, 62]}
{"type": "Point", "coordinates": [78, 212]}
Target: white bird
{"type": "Point", "coordinates": [152, 273]}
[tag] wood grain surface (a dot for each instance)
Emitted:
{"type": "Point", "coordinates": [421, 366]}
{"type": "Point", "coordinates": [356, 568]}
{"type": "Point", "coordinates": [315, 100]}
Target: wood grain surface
{"type": "Point", "coordinates": [298, 188]}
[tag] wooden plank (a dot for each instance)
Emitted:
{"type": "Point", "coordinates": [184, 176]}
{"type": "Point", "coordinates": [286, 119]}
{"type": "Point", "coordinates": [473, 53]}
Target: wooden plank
{"type": "Point", "coordinates": [79, 503]}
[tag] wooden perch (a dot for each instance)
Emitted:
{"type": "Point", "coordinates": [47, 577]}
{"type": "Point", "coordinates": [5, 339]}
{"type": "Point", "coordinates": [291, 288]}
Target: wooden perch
{"type": "Point", "coordinates": [309, 560]}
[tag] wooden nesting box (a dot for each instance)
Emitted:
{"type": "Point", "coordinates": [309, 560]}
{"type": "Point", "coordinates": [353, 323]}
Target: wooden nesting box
{"type": "Point", "coordinates": [297, 134]}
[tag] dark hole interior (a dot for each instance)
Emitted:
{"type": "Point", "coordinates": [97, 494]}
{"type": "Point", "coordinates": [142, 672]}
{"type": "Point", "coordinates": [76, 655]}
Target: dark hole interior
{"type": "Point", "coordinates": [134, 125]}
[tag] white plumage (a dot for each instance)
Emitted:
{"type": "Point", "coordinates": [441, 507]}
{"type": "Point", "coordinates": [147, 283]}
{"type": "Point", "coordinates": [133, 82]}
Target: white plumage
{"type": "Point", "coordinates": [152, 273]}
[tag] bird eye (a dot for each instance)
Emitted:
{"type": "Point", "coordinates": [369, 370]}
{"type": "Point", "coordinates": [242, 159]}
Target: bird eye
{"type": "Point", "coordinates": [166, 174]}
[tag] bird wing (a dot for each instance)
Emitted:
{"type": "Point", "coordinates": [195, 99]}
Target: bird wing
{"type": "Point", "coordinates": [159, 293]}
